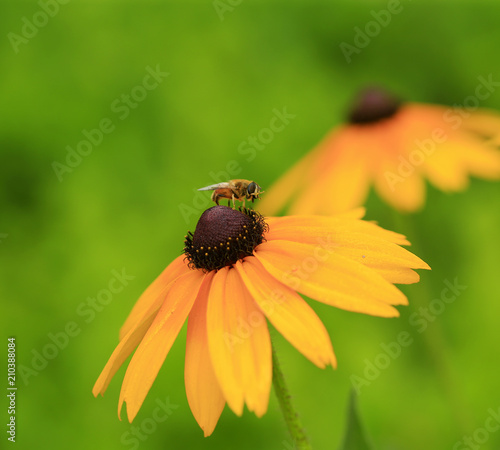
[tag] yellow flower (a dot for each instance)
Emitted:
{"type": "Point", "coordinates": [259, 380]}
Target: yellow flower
{"type": "Point", "coordinates": [240, 271]}
{"type": "Point", "coordinates": [392, 146]}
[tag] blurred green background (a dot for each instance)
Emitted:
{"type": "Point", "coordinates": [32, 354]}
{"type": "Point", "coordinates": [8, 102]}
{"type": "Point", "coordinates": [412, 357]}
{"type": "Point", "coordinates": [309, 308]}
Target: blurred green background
{"type": "Point", "coordinates": [230, 64]}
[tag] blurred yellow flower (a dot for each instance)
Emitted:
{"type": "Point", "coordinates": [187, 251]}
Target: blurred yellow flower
{"type": "Point", "coordinates": [239, 270]}
{"type": "Point", "coordinates": [392, 146]}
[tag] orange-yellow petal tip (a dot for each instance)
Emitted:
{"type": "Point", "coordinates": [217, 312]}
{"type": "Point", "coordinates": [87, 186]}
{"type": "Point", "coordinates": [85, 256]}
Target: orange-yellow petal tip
{"type": "Point", "coordinates": [395, 312]}
{"type": "Point", "coordinates": [404, 301]}
{"type": "Point", "coordinates": [207, 432]}
{"type": "Point", "coordinates": [120, 404]}
{"type": "Point", "coordinates": [130, 409]}
{"type": "Point", "coordinates": [96, 391]}
{"type": "Point", "coordinates": [424, 266]}
{"type": "Point", "coordinates": [332, 361]}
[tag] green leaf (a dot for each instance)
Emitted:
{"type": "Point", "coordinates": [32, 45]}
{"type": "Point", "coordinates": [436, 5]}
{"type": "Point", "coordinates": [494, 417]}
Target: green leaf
{"type": "Point", "coordinates": [354, 438]}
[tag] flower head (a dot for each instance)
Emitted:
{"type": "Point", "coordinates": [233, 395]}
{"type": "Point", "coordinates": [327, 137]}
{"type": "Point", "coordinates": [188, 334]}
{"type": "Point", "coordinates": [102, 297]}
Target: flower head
{"type": "Point", "coordinates": [213, 246]}
{"type": "Point", "coordinates": [392, 146]}
{"type": "Point", "coordinates": [240, 271]}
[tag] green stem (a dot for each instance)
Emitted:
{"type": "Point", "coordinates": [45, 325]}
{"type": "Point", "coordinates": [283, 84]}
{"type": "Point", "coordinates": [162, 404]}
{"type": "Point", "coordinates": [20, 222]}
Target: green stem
{"type": "Point", "coordinates": [289, 413]}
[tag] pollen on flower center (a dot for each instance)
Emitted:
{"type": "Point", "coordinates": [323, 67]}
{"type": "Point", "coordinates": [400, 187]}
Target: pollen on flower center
{"type": "Point", "coordinates": [223, 236]}
{"type": "Point", "coordinates": [372, 105]}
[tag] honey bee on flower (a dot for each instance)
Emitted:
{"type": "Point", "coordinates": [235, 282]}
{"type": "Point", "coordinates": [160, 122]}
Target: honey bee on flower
{"type": "Point", "coordinates": [239, 189]}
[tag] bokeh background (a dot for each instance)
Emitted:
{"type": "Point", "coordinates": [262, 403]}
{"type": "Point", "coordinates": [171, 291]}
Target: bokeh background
{"type": "Point", "coordinates": [230, 64]}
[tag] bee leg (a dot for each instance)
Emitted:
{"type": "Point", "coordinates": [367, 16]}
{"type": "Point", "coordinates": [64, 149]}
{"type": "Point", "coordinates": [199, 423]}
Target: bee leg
{"type": "Point", "coordinates": [214, 198]}
{"type": "Point", "coordinates": [229, 203]}
{"type": "Point", "coordinates": [234, 206]}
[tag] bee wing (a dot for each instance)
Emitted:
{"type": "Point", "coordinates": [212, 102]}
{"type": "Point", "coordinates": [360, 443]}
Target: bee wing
{"type": "Point", "coordinates": [212, 187]}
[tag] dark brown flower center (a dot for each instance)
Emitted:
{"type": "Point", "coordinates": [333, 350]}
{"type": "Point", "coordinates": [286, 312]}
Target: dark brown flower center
{"type": "Point", "coordinates": [372, 105]}
{"type": "Point", "coordinates": [223, 236]}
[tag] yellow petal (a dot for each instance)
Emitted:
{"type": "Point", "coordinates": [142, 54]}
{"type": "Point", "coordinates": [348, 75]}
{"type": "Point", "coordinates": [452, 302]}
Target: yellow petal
{"type": "Point", "coordinates": [277, 196]}
{"type": "Point", "coordinates": [388, 259]}
{"type": "Point", "coordinates": [126, 346]}
{"type": "Point", "coordinates": [152, 351]}
{"type": "Point", "coordinates": [330, 278]}
{"type": "Point", "coordinates": [284, 228]}
{"type": "Point", "coordinates": [334, 157]}
{"type": "Point", "coordinates": [483, 121]}
{"type": "Point", "coordinates": [403, 189]}
{"type": "Point", "coordinates": [397, 275]}
{"type": "Point", "coordinates": [202, 388]}
{"type": "Point", "coordinates": [341, 179]}
{"type": "Point", "coordinates": [449, 166]}
{"type": "Point", "coordinates": [479, 158]}
{"type": "Point", "coordinates": [307, 200]}
{"type": "Point", "coordinates": [364, 242]}
{"type": "Point", "coordinates": [445, 168]}
{"type": "Point", "coordinates": [154, 294]}
{"type": "Point", "coordinates": [288, 312]}
{"type": "Point", "coordinates": [376, 253]}
{"type": "Point", "coordinates": [346, 187]}
{"type": "Point", "coordinates": [239, 344]}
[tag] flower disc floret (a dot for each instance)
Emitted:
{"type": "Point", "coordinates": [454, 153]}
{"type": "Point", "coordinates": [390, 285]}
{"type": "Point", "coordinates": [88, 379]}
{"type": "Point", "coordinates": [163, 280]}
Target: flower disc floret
{"type": "Point", "coordinates": [373, 105]}
{"type": "Point", "coordinates": [223, 236]}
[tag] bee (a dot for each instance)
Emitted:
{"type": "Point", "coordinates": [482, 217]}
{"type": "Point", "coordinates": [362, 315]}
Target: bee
{"type": "Point", "coordinates": [234, 190]}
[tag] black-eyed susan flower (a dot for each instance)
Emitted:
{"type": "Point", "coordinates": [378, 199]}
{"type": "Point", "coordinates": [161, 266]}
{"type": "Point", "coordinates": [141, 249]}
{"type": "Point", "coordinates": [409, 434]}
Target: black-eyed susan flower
{"type": "Point", "coordinates": [392, 146]}
{"type": "Point", "coordinates": [240, 271]}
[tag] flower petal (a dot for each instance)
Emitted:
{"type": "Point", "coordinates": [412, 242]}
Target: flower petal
{"type": "Point", "coordinates": [480, 159]}
{"type": "Point", "coordinates": [397, 275]}
{"type": "Point", "coordinates": [484, 122]}
{"type": "Point", "coordinates": [288, 312]}
{"type": "Point", "coordinates": [296, 228]}
{"type": "Point", "coordinates": [138, 323]}
{"type": "Point", "coordinates": [330, 278]}
{"type": "Point", "coordinates": [388, 259]}
{"type": "Point", "coordinates": [154, 294]}
{"type": "Point", "coordinates": [403, 189]}
{"type": "Point", "coordinates": [239, 344]}
{"type": "Point", "coordinates": [346, 187]}
{"type": "Point", "coordinates": [202, 388]}
{"type": "Point", "coordinates": [339, 179]}
{"type": "Point", "coordinates": [152, 351]}
{"type": "Point", "coordinates": [445, 169]}
{"type": "Point", "coordinates": [125, 347]}
{"type": "Point", "coordinates": [279, 194]}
